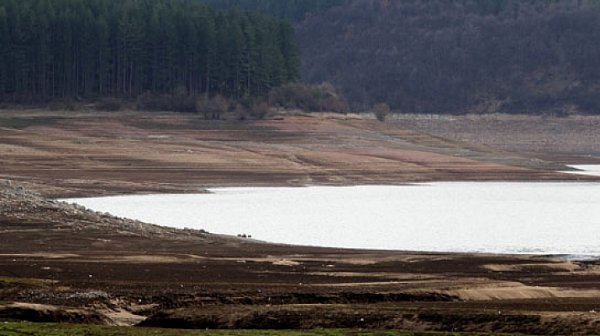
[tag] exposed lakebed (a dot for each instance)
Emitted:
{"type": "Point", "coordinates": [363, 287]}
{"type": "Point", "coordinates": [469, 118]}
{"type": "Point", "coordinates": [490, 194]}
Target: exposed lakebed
{"type": "Point", "coordinates": [488, 217]}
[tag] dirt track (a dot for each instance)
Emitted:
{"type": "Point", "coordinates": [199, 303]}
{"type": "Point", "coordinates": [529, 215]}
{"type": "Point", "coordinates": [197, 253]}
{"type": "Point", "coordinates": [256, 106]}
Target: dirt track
{"type": "Point", "coordinates": [88, 267]}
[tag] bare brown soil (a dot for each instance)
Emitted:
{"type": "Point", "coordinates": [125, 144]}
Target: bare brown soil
{"type": "Point", "coordinates": [91, 153]}
{"type": "Point", "coordinates": [61, 262]}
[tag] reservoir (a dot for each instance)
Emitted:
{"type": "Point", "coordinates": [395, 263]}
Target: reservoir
{"type": "Point", "coordinates": [593, 170]}
{"type": "Point", "coordinates": [487, 217]}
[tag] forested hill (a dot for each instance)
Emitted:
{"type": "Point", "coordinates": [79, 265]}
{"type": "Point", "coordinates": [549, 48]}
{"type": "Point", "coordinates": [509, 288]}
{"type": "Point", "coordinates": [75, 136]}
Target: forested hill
{"type": "Point", "coordinates": [295, 10]}
{"type": "Point", "coordinates": [517, 56]}
{"type": "Point", "coordinates": [123, 48]}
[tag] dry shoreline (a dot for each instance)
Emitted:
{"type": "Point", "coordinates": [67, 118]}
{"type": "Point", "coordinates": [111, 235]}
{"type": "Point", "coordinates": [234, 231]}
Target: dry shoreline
{"type": "Point", "coordinates": [83, 154]}
{"type": "Point", "coordinates": [118, 271]}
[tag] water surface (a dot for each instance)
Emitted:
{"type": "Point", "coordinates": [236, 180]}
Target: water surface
{"type": "Point", "coordinates": [541, 218]}
{"type": "Point", "coordinates": [593, 170]}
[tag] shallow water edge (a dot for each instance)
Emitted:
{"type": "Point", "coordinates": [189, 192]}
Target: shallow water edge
{"type": "Point", "coordinates": [471, 217]}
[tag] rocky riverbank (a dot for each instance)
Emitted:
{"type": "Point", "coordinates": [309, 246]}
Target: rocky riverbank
{"type": "Point", "coordinates": [20, 205]}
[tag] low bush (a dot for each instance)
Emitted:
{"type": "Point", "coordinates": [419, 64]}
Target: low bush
{"type": "Point", "coordinates": [260, 111]}
{"type": "Point", "coordinates": [62, 105]}
{"type": "Point", "coordinates": [212, 108]}
{"type": "Point", "coordinates": [381, 111]}
{"type": "Point", "coordinates": [166, 103]}
{"type": "Point", "coordinates": [109, 104]}
{"type": "Point", "coordinates": [242, 112]}
{"type": "Point", "coordinates": [310, 98]}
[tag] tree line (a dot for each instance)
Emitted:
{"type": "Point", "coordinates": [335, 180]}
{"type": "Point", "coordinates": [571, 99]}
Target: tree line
{"type": "Point", "coordinates": [295, 10]}
{"type": "Point", "coordinates": [52, 49]}
{"type": "Point", "coordinates": [457, 56]}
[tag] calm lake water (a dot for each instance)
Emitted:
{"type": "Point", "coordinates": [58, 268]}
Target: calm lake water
{"type": "Point", "coordinates": [539, 218]}
{"type": "Point", "coordinates": [593, 170]}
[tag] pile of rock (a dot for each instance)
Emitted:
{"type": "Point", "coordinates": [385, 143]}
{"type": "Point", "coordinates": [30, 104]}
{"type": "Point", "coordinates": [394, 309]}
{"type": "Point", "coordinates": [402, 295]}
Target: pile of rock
{"type": "Point", "coordinates": [20, 204]}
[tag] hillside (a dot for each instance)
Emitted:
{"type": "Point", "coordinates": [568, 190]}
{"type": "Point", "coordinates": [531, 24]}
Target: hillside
{"type": "Point", "coordinates": [457, 56]}
{"type": "Point", "coordinates": [65, 263]}
{"type": "Point", "coordinates": [91, 153]}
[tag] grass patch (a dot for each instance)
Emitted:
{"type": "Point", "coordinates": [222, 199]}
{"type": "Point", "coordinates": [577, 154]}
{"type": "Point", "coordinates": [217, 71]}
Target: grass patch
{"type": "Point", "coordinates": [45, 329]}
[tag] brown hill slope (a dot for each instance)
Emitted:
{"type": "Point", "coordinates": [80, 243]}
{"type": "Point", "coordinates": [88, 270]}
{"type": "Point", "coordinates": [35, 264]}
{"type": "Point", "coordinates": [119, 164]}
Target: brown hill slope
{"type": "Point", "coordinates": [62, 154]}
{"type": "Point", "coordinates": [61, 262]}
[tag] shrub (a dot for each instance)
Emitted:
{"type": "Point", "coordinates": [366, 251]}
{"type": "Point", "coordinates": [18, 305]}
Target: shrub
{"type": "Point", "coordinates": [167, 103]}
{"type": "Point", "coordinates": [260, 111]}
{"type": "Point", "coordinates": [184, 104]}
{"type": "Point", "coordinates": [62, 105]}
{"type": "Point", "coordinates": [321, 97]}
{"type": "Point", "coordinates": [212, 108]}
{"type": "Point", "coordinates": [248, 102]}
{"type": "Point", "coordinates": [152, 102]}
{"type": "Point", "coordinates": [242, 112]}
{"type": "Point", "coordinates": [109, 104]}
{"type": "Point", "coordinates": [381, 111]}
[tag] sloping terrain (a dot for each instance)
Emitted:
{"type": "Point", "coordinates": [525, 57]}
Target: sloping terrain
{"type": "Point", "coordinates": [458, 56]}
{"type": "Point", "coordinates": [63, 263]}
{"type": "Point", "coordinates": [575, 135]}
{"type": "Point", "coordinates": [62, 154]}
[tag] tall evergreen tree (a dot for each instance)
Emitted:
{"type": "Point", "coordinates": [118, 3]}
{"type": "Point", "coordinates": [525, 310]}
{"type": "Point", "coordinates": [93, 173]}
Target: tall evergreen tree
{"type": "Point", "coordinates": [292, 9]}
{"type": "Point", "coordinates": [290, 52]}
{"type": "Point", "coordinates": [124, 48]}
{"type": "Point", "coordinates": [4, 41]}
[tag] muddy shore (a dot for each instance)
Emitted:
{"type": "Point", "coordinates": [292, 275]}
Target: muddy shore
{"type": "Point", "coordinates": [61, 262]}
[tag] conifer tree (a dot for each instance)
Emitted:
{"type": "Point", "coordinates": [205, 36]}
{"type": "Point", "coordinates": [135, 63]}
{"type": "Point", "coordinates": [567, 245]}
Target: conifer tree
{"type": "Point", "coordinates": [125, 48]}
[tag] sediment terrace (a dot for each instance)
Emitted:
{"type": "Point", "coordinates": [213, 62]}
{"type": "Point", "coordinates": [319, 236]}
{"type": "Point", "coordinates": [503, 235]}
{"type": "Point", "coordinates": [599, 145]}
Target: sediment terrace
{"type": "Point", "coordinates": [61, 262]}
{"type": "Point", "coordinates": [91, 153]}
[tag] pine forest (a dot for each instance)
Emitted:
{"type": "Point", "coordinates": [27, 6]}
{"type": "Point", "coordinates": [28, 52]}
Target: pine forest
{"type": "Point", "coordinates": [126, 48]}
{"type": "Point", "coordinates": [295, 10]}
